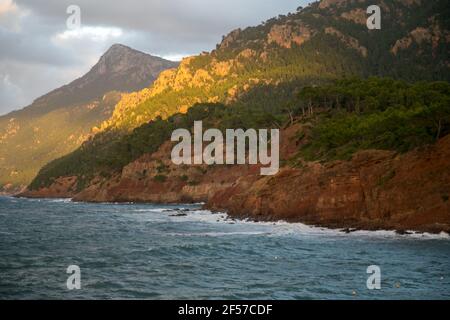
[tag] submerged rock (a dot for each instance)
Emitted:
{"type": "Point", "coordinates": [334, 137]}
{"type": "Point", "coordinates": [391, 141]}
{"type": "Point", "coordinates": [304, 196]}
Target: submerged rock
{"type": "Point", "coordinates": [179, 215]}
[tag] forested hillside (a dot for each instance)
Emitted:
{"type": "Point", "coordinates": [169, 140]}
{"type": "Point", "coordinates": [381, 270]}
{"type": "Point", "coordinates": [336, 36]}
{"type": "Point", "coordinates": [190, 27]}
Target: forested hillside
{"type": "Point", "coordinates": [289, 68]}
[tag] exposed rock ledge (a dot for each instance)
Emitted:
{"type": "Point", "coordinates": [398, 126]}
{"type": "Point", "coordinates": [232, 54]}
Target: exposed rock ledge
{"type": "Point", "coordinates": [374, 190]}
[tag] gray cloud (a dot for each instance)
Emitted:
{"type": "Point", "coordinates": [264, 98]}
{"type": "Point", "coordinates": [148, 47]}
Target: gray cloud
{"type": "Point", "coordinates": [38, 54]}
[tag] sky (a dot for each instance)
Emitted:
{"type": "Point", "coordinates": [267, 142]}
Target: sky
{"type": "Point", "coordinates": [39, 53]}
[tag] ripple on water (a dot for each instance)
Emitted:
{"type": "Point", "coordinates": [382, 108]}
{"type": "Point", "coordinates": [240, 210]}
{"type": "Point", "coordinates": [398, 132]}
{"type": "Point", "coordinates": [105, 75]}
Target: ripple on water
{"type": "Point", "coordinates": [135, 251]}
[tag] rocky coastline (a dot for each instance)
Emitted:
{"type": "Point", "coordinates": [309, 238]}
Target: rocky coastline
{"type": "Point", "coordinates": [374, 190]}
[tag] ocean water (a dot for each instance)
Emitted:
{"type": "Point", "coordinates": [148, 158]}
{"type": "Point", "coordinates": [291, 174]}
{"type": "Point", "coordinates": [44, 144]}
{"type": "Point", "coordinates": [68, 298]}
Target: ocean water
{"type": "Point", "coordinates": [131, 251]}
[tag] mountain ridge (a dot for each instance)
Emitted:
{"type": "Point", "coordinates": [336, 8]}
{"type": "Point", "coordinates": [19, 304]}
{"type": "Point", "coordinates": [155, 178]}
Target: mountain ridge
{"type": "Point", "coordinates": [58, 122]}
{"type": "Point", "coordinates": [319, 43]}
{"type": "Point", "coordinates": [413, 44]}
{"type": "Point", "coordinates": [309, 74]}
{"type": "Point", "coordinates": [118, 60]}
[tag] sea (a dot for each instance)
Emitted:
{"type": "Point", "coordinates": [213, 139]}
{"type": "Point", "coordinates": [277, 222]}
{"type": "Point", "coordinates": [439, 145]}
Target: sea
{"type": "Point", "coordinates": [59, 249]}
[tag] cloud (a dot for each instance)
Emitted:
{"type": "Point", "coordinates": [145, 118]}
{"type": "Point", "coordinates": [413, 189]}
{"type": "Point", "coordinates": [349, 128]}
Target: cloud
{"type": "Point", "coordinates": [11, 15]}
{"type": "Point", "coordinates": [21, 83]}
{"type": "Point", "coordinates": [7, 7]}
{"type": "Point", "coordinates": [39, 53]}
{"type": "Point", "coordinates": [9, 92]}
{"type": "Point", "coordinates": [92, 33]}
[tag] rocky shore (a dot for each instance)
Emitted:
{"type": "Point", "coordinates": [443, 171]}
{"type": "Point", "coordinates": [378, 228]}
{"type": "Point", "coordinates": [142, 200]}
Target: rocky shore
{"type": "Point", "coordinates": [374, 190]}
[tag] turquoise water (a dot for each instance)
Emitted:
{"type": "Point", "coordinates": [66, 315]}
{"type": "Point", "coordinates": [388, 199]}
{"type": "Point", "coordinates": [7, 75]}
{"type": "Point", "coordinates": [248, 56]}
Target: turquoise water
{"type": "Point", "coordinates": [146, 252]}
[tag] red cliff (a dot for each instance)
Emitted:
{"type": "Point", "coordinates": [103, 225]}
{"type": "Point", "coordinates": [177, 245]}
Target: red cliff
{"type": "Point", "coordinates": [374, 190]}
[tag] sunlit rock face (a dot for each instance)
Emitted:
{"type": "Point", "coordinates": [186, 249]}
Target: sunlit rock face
{"type": "Point", "coordinates": [60, 121]}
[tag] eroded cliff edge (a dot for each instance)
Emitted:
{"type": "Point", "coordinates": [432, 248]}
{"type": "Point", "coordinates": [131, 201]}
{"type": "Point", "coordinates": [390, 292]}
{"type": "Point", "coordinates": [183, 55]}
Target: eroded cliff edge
{"type": "Point", "coordinates": [294, 68]}
{"type": "Point", "coordinates": [374, 190]}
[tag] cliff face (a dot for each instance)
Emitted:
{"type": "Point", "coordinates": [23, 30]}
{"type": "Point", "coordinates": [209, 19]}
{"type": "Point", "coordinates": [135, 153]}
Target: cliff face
{"type": "Point", "coordinates": [374, 190]}
{"type": "Point", "coordinates": [326, 40]}
{"type": "Point", "coordinates": [256, 75]}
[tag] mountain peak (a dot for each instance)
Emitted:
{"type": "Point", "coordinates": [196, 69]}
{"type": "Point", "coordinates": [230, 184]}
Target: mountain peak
{"type": "Point", "coordinates": [117, 49]}
{"type": "Point", "coordinates": [120, 58]}
{"type": "Point", "coordinates": [63, 118]}
{"type": "Point", "coordinates": [118, 46]}
{"type": "Point", "coordinates": [120, 68]}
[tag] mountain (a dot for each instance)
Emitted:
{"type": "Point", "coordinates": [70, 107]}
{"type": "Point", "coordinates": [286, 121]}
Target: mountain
{"type": "Point", "coordinates": [326, 40]}
{"type": "Point", "coordinates": [58, 122]}
{"type": "Point", "coordinates": [120, 69]}
{"type": "Point", "coordinates": [310, 74]}
{"type": "Point", "coordinates": [375, 155]}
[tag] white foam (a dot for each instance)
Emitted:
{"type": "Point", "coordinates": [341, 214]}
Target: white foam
{"type": "Point", "coordinates": [50, 200]}
{"type": "Point", "coordinates": [157, 210]}
{"type": "Point", "coordinates": [67, 200]}
{"type": "Point", "coordinates": [283, 228]}
{"type": "Point", "coordinates": [279, 228]}
{"type": "Point", "coordinates": [219, 234]}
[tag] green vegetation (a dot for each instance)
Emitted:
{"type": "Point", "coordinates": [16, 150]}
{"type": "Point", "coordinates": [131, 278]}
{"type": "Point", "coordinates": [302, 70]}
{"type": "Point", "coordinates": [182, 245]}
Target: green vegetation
{"type": "Point", "coordinates": [346, 116]}
{"type": "Point", "coordinates": [375, 114]}
{"type": "Point", "coordinates": [323, 57]}
{"type": "Point", "coordinates": [269, 84]}
{"type": "Point", "coordinates": [27, 142]}
{"type": "Point", "coordinates": [193, 183]}
{"type": "Point", "coordinates": [160, 178]}
{"type": "Point", "coordinates": [58, 122]}
{"type": "Point", "coordinates": [386, 178]}
{"type": "Point", "coordinates": [162, 168]}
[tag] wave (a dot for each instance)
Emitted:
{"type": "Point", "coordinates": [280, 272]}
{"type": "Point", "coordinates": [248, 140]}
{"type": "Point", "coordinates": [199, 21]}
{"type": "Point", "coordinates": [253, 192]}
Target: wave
{"type": "Point", "coordinates": [219, 234]}
{"type": "Point", "coordinates": [229, 226]}
{"type": "Point", "coordinates": [48, 200]}
{"type": "Point", "coordinates": [157, 210]}
{"type": "Point", "coordinates": [67, 200]}
{"type": "Point", "coordinates": [283, 228]}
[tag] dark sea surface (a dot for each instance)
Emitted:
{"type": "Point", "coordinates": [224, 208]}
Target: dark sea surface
{"type": "Point", "coordinates": [132, 251]}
